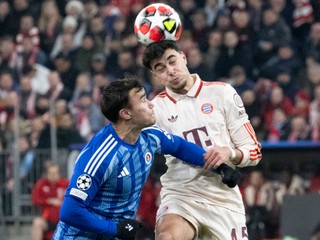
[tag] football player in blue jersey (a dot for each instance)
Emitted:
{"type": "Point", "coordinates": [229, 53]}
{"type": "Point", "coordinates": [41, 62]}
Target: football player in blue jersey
{"type": "Point", "coordinates": [102, 198]}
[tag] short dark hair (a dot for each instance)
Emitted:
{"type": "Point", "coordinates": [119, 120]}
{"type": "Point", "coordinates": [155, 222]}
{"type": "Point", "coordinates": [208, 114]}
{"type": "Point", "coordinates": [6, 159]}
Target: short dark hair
{"type": "Point", "coordinates": [115, 96]}
{"type": "Point", "coordinates": [156, 50]}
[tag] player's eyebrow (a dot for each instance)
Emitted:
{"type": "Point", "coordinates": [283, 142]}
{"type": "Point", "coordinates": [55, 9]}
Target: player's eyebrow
{"type": "Point", "coordinates": [160, 63]}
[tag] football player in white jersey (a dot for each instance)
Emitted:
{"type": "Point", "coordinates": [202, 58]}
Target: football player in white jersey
{"type": "Point", "coordinates": [194, 202]}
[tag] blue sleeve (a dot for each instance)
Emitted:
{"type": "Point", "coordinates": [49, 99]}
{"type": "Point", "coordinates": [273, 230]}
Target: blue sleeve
{"type": "Point", "coordinates": [74, 210]}
{"type": "Point", "coordinates": [75, 213]}
{"type": "Point", "coordinates": [184, 150]}
{"type": "Point", "coordinates": [178, 147]}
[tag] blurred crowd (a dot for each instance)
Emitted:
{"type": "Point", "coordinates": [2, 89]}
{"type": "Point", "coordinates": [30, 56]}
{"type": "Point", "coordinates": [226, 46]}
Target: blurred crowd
{"type": "Point", "coordinates": [59, 54]}
{"type": "Point", "coordinates": [56, 55]}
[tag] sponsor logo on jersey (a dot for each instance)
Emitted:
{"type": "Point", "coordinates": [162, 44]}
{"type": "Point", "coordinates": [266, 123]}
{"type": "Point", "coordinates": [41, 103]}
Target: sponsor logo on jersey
{"type": "Point", "coordinates": [207, 108]}
{"type": "Point", "coordinates": [148, 158]}
{"type": "Point", "coordinates": [237, 100]}
{"type": "Point", "coordinates": [124, 172]}
{"type": "Point", "coordinates": [78, 193]}
{"type": "Point", "coordinates": [84, 182]}
{"type": "Point", "coordinates": [173, 118]}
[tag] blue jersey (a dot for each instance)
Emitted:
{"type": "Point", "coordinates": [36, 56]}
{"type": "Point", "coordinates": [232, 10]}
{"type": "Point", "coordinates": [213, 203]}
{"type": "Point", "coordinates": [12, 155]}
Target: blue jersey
{"type": "Point", "coordinates": [108, 179]}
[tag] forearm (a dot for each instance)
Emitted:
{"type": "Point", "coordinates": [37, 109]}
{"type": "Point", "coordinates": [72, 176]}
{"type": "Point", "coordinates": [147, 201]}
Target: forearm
{"type": "Point", "coordinates": [74, 213]}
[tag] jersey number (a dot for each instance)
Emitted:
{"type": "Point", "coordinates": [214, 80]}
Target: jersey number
{"type": "Point", "coordinates": [234, 235]}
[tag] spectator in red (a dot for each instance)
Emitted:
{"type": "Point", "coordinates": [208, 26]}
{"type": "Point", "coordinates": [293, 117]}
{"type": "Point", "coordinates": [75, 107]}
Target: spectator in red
{"type": "Point", "coordinates": [277, 100]}
{"type": "Point", "coordinates": [301, 104]}
{"type": "Point", "coordinates": [299, 130]}
{"type": "Point", "coordinates": [48, 195]}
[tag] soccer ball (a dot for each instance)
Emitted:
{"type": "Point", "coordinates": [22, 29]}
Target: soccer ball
{"type": "Point", "coordinates": [157, 22]}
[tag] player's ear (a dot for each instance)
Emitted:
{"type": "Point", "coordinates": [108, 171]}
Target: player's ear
{"type": "Point", "coordinates": [125, 113]}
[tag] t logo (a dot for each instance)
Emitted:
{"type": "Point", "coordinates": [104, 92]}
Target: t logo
{"type": "Point", "coordinates": [195, 133]}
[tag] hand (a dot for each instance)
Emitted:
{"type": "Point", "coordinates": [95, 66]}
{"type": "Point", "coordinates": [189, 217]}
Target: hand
{"type": "Point", "coordinates": [128, 228]}
{"type": "Point", "coordinates": [231, 177]}
{"type": "Point", "coordinates": [215, 158]}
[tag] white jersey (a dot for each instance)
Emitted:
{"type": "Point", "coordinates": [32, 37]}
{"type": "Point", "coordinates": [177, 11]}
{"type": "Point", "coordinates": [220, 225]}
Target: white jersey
{"type": "Point", "coordinates": [210, 114]}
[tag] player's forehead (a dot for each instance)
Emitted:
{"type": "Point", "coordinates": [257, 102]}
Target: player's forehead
{"type": "Point", "coordinates": [166, 56]}
{"type": "Point", "coordinates": [136, 94]}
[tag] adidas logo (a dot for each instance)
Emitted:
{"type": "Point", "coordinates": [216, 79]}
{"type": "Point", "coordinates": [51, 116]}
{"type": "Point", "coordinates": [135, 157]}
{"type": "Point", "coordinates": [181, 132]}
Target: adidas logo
{"type": "Point", "coordinates": [173, 118]}
{"type": "Point", "coordinates": [129, 227]}
{"type": "Point", "coordinates": [124, 173]}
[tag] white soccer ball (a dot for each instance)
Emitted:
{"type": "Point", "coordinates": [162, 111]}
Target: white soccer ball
{"type": "Point", "coordinates": [157, 22]}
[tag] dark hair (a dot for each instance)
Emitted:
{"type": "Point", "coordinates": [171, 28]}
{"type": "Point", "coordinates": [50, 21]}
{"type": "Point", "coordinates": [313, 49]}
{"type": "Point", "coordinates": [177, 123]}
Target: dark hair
{"type": "Point", "coordinates": [156, 50]}
{"type": "Point", "coordinates": [115, 96]}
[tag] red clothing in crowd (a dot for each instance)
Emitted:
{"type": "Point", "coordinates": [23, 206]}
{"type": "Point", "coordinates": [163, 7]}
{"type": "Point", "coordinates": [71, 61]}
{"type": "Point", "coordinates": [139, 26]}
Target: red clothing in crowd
{"type": "Point", "coordinates": [44, 190]}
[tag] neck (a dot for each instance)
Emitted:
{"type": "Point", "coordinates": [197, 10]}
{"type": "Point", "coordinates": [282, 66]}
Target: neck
{"type": "Point", "coordinates": [126, 132]}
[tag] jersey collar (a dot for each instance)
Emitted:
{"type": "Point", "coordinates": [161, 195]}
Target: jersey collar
{"type": "Point", "coordinates": [193, 92]}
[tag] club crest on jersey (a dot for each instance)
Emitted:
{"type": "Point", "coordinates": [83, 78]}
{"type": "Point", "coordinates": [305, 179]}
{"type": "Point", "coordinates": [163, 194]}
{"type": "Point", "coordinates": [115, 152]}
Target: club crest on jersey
{"type": "Point", "coordinates": [84, 182]}
{"type": "Point", "coordinates": [207, 108]}
{"type": "Point", "coordinates": [237, 100]}
{"type": "Point", "coordinates": [148, 158]}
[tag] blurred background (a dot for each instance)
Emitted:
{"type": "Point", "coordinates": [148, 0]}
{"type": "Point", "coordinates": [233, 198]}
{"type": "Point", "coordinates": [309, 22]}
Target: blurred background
{"type": "Point", "coordinates": [56, 55]}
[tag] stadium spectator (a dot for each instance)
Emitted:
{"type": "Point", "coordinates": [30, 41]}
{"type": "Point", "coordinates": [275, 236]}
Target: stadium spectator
{"type": "Point", "coordinates": [240, 19]}
{"type": "Point", "coordinates": [6, 19]}
{"type": "Point", "coordinates": [67, 70]}
{"type": "Point", "coordinates": [285, 60]}
{"type": "Point", "coordinates": [301, 104]}
{"type": "Point", "coordinates": [8, 55]}
{"type": "Point", "coordinates": [232, 54]}
{"type": "Point", "coordinates": [279, 126]}
{"type": "Point", "coordinates": [311, 51]}
{"type": "Point", "coordinates": [288, 83]}
{"type": "Point", "coordinates": [277, 100]}
{"type": "Point", "coordinates": [253, 109]}
{"type": "Point", "coordinates": [86, 51]}
{"type": "Point", "coordinates": [126, 65]}
{"type": "Point", "coordinates": [211, 9]}
{"type": "Point", "coordinates": [187, 8]}
{"type": "Point", "coordinates": [302, 18]}
{"type": "Point", "coordinates": [200, 29]}
{"type": "Point", "coordinates": [223, 20]}
{"type": "Point", "coordinates": [99, 81]}
{"type": "Point", "coordinates": [38, 75]}
{"type": "Point", "coordinates": [57, 89]}
{"type": "Point", "coordinates": [50, 24]}
{"type": "Point", "coordinates": [261, 205]}
{"type": "Point", "coordinates": [239, 80]}
{"type": "Point", "coordinates": [299, 129]}
{"type": "Point", "coordinates": [274, 33]}
{"type": "Point", "coordinates": [196, 63]}
{"type": "Point", "coordinates": [290, 183]}
{"type": "Point", "coordinates": [98, 64]}
{"type": "Point", "coordinates": [88, 117]}
{"type": "Point", "coordinates": [83, 84]}
{"type": "Point", "coordinates": [48, 194]}
{"type": "Point", "coordinates": [213, 51]}
{"type": "Point", "coordinates": [125, 105]}
{"type": "Point", "coordinates": [314, 115]}
{"type": "Point", "coordinates": [27, 98]}
{"type": "Point", "coordinates": [69, 26]}
{"type": "Point", "coordinates": [98, 32]}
